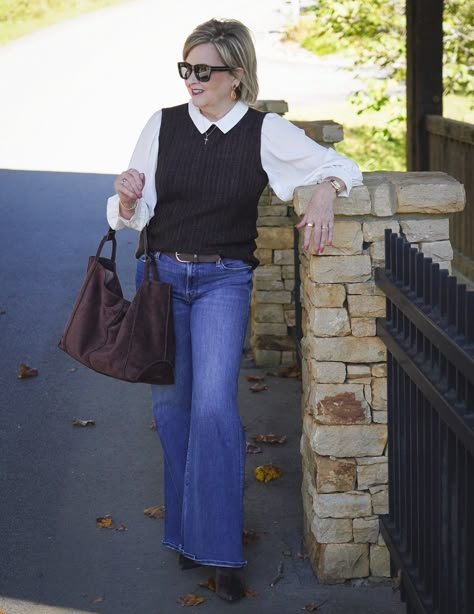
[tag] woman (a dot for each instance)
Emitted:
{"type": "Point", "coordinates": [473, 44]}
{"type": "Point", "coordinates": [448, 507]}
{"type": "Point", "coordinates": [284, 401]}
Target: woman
{"type": "Point", "coordinates": [194, 181]}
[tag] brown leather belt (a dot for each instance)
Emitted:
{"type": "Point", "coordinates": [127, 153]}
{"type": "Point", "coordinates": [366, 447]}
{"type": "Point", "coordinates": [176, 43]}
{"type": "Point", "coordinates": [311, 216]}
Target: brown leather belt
{"type": "Point", "coordinates": [182, 257]}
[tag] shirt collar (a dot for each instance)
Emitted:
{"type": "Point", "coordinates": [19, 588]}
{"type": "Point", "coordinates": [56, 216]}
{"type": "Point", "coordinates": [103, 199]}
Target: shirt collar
{"type": "Point", "coordinates": [224, 124]}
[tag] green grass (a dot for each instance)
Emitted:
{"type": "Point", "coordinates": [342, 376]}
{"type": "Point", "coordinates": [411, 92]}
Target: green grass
{"type": "Point", "coordinates": [20, 17]}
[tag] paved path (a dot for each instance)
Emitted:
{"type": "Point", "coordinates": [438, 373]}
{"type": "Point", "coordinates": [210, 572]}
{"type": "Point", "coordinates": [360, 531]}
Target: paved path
{"type": "Point", "coordinates": [75, 96]}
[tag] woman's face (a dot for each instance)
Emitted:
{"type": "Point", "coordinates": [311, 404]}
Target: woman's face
{"type": "Point", "coordinates": [211, 97]}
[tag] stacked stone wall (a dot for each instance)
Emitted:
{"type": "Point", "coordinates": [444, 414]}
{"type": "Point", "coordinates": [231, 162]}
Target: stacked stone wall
{"type": "Point", "coordinates": [344, 397]}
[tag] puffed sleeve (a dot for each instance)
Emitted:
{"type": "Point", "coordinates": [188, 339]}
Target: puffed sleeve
{"type": "Point", "coordinates": [292, 159]}
{"type": "Point", "coordinates": [144, 159]}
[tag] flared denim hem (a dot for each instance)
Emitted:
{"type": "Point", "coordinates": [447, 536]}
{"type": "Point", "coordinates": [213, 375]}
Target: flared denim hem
{"type": "Point", "coordinates": [203, 561]}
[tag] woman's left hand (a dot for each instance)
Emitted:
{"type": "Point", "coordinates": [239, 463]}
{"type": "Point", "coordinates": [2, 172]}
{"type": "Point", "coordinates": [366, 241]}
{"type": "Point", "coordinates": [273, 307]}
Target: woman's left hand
{"type": "Point", "coordinates": [319, 218]}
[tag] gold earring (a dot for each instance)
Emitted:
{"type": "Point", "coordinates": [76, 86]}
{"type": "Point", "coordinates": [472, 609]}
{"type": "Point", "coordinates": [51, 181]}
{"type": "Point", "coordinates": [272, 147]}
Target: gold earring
{"type": "Point", "coordinates": [233, 94]}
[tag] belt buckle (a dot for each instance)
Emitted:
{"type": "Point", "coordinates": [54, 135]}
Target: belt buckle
{"type": "Point", "coordinates": [195, 258]}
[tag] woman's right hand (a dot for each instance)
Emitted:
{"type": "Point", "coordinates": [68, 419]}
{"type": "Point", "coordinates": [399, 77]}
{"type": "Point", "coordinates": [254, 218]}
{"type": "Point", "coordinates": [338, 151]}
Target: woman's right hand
{"type": "Point", "coordinates": [129, 186]}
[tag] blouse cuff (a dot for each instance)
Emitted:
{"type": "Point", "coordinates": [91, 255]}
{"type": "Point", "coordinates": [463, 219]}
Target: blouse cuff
{"type": "Point", "coordinates": [117, 222]}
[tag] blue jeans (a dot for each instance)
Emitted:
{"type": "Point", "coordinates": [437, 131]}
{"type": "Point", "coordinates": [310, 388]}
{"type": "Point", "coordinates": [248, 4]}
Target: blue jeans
{"type": "Point", "coordinates": [197, 417]}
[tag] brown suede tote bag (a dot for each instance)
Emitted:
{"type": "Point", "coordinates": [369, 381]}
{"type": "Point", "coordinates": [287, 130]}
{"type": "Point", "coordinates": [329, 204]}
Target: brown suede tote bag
{"type": "Point", "coordinates": [128, 340]}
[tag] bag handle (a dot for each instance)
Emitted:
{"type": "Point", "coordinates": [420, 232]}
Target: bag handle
{"type": "Point", "coordinates": [110, 236]}
{"type": "Point", "coordinates": [150, 262]}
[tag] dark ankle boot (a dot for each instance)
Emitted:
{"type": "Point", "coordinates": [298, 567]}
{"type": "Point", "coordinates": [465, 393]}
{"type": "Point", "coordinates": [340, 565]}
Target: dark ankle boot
{"type": "Point", "coordinates": [230, 583]}
{"type": "Point", "coordinates": [186, 563]}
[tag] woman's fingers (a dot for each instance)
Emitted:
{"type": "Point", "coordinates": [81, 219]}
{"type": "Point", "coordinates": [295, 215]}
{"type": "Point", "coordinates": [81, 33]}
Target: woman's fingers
{"type": "Point", "coordinates": [129, 184]}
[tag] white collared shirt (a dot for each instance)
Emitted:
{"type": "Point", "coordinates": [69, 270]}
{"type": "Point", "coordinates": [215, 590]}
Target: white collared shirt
{"type": "Point", "coordinates": [289, 158]}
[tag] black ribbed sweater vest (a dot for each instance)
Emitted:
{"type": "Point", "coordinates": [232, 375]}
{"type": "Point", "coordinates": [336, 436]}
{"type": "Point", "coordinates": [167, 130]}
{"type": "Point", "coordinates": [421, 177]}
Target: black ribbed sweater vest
{"type": "Point", "coordinates": [208, 193]}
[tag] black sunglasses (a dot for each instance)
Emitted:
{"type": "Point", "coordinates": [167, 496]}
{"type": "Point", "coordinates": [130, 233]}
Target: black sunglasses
{"type": "Point", "coordinates": [202, 72]}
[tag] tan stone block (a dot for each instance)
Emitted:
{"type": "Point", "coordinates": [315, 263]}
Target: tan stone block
{"type": "Point", "coordinates": [269, 284]}
{"type": "Point", "coordinates": [334, 474]}
{"type": "Point", "coordinates": [374, 229]}
{"type": "Point", "coordinates": [427, 193]}
{"type": "Point", "coordinates": [270, 272]}
{"type": "Point", "coordinates": [379, 499]}
{"type": "Point", "coordinates": [337, 563]}
{"type": "Point", "coordinates": [321, 131]}
{"type": "Point", "coordinates": [382, 193]}
{"type": "Point", "coordinates": [365, 530]}
{"type": "Point", "coordinates": [324, 295]}
{"type": "Point", "coordinates": [275, 238]}
{"type": "Point", "coordinates": [363, 327]}
{"type": "Point", "coordinates": [282, 297]}
{"type": "Point", "coordinates": [289, 284]}
{"type": "Point", "coordinates": [379, 370]}
{"type": "Point", "coordinates": [290, 317]}
{"type": "Point", "coordinates": [272, 211]}
{"type": "Point", "coordinates": [282, 343]}
{"type": "Point", "coordinates": [425, 229]}
{"type": "Point", "coordinates": [349, 440]}
{"type": "Point", "coordinates": [359, 374]}
{"type": "Point", "coordinates": [367, 288]}
{"type": "Point", "coordinates": [265, 256]}
{"type": "Point", "coordinates": [358, 203]}
{"type": "Point", "coordinates": [266, 358]}
{"type": "Point", "coordinates": [347, 349]}
{"type": "Point", "coordinates": [372, 474]}
{"type": "Point", "coordinates": [342, 505]}
{"type": "Point", "coordinates": [377, 253]}
{"type": "Point", "coordinates": [284, 256]}
{"type": "Point", "coordinates": [364, 306]}
{"type": "Point", "coordinates": [288, 272]}
{"type": "Point", "coordinates": [328, 372]}
{"type": "Point", "coordinates": [380, 417]}
{"type": "Point", "coordinates": [269, 313]}
{"type": "Point", "coordinates": [379, 393]}
{"type": "Point", "coordinates": [340, 269]}
{"type": "Point", "coordinates": [379, 561]}
{"type": "Point", "coordinates": [438, 251]}
{"type": "Point", "coordinates": [280, 107]}
{"type": "Point", "coordinates": [273, 221]}
{"type": "Point", "coordinates": [340, 404]}
{"type": "Point", "coordinates": [347, 239]}
{"type": "Point", "coordinates": [329, 322]}
{"type": "Point", "coordinates": [265, 328]}
{"type": "Point", "coordinates": [288, 359]}
{"type": "Point", "coordinates": [331, 530]}
{"type": "Point", "coordinates": [368, 393]}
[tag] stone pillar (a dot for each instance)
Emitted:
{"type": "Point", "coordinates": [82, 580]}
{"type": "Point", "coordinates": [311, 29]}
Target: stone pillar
{"type": "Point", "coordinates": [273, 307]}
{"type": "Point", "coordinates": [344, 400]}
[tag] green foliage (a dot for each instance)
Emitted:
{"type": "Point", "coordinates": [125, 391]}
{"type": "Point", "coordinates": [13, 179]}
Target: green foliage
{"type": "Point", "coordinates": [373, 32]}
{"type": "Point", "coordinates": [375, 149]}
{"type": "Point", "coordinates": [19, 17]}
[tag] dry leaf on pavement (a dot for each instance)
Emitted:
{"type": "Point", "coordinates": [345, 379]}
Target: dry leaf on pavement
{"type": "Point", "coordinates": [190, 599]}
{"type": "Point", "coordinates": [210, 584]}
{"type": "Point", "coordinates": [104, 522]}
{"type": "Point", "coordinates": [157, 511]}
{"type": "Point", "coordinates": [271, 438]}
{"type": "Point", "coordinates": [258, 387]}
{"type": "Point", "coordinates": [313, 607]}
{"type": "Point", "coordinates": [249, 536]}
{"type": "Point", "coordinates": [25, 371]}
{"type": "Point", "coordinates": [255, 378]}
{"type": "Point", "coordinates": [266, 473]}
{"type": "Point", "coordinates": [251, 448]}
{"type": "Point", "coordinates": [79, 422]}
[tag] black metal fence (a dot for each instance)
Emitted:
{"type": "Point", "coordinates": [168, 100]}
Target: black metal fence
{"type": "Point", "coordinates": [429, 334]}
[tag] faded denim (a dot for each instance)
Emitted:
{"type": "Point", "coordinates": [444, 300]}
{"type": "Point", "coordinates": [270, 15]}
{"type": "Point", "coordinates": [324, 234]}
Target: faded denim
{"type": "Point", "coordinates": [197, 417]}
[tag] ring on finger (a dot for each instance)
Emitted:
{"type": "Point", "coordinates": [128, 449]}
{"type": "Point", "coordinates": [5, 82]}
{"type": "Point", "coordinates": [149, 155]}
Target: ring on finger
{"type": "Point", "coordinates": [122, 181]}
{"type": "Point", "coordinates": [309, 224]}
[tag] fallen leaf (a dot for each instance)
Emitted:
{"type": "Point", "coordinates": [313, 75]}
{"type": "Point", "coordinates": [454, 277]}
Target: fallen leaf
{"type": "Point", "coordinates": [265, 473]}
{"type": "Point", "coordinates": [121, 527]}
{"type": "Point", "coordinates": [294, 371]}
{"type": "Point", "coordinates": [98, 600]}
{"type": "Point", "coordinates": [313, 607]}
{"type": "Point", "coordinates": [249, 536]}
{"type": "Point", "coordinates": [271, 438]}
{"type": "Point", "coordinates": [255, 378]}
{"type": "Point", "coordinates": [258, 387]}
{"type": "Point", "coordinates": [104, 522]}
{"type": "Point", "coordinates": [152, 425]}
{"type": "Point", "coordinates": [250, 593]}
{"type": "Point", "coordinates": [25, 371]}
{"type": "Point", "coordinates": [251, 448]}
{"type": "Point", "coordinates": [210, 584]}
{"type": "Point", "coordinates": [79, 422]}
{"type": "Point", "coordinates": [190, 599]}
{"type": "Point", "coordinates": [157, 511]}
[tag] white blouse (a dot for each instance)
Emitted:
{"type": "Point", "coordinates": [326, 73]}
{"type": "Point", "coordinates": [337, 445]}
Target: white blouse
{"type": "Point", "coordinates": [289, 158]}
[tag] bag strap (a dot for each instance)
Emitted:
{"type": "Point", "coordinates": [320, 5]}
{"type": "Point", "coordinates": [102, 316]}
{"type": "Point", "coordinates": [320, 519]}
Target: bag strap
{"type": "Point", "coordinates": [110, 236]}
{"type": "Point", "coordinates": [150, 262]}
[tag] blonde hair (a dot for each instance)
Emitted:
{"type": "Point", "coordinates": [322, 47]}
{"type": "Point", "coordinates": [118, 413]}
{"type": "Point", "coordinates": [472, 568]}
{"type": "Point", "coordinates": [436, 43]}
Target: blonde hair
{"type": "Point", "coordinates": [233, 41]}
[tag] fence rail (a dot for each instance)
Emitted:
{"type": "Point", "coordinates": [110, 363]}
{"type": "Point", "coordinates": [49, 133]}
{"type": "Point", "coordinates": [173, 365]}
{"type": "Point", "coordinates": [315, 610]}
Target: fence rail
{"type": "Point", "coordinates": [429, 333]}
{"type": "Point", "coordinates": [451, 149]}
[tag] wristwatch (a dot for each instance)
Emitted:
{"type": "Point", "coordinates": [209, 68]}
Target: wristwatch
{"type": "Point", "coordinates": [335, 184]}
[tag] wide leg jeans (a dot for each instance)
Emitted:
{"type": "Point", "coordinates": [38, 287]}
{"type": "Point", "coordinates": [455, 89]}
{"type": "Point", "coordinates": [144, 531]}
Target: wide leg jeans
{"type": "Point", "coordinates": [197, 417]}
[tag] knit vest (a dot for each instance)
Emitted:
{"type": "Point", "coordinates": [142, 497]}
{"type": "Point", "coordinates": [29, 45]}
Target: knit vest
{"type": "Point", "coordinates": [208, 193]}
